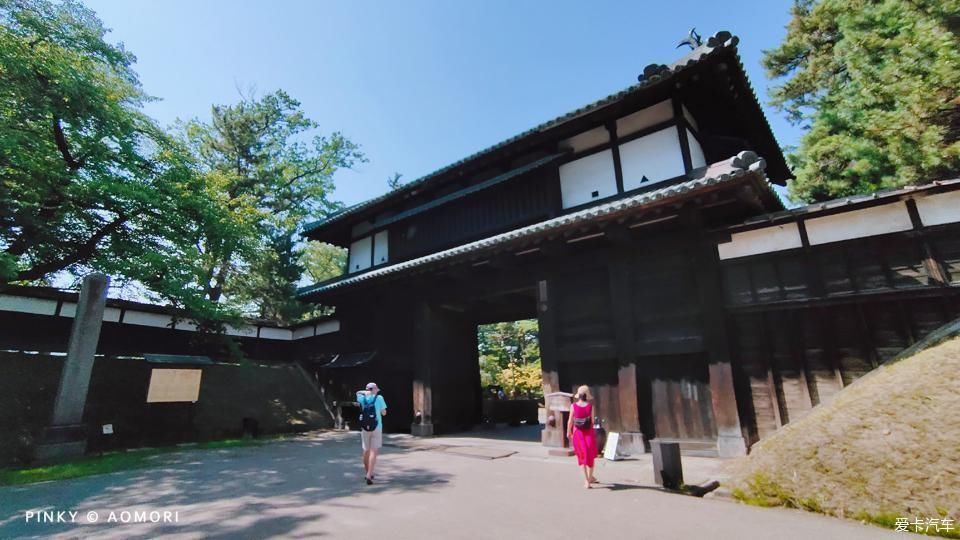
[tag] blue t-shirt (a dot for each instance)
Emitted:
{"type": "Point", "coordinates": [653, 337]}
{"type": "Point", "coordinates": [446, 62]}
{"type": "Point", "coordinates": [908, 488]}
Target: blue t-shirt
{"type": "Point", "coordinates": [379, 404]}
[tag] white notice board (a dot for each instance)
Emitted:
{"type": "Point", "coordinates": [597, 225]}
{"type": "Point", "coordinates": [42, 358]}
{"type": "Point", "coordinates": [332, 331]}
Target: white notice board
{"type": "Point", "coordinates": [610, 448]}
{"type": "Point", "coordinates": [174, 385]}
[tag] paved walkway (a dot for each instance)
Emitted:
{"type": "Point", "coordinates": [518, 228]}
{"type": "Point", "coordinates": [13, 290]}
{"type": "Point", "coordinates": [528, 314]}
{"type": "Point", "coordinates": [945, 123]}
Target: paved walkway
{"type": "Point", "coordinates": [313, 487]}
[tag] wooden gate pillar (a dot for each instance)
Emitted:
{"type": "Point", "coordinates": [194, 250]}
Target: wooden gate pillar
{"type": "Point", "coordinates": [730, 441]}
{"type": "Point", "coordinates": [631, 437]}
{"type": "Point", "coordinates": [553, 434]}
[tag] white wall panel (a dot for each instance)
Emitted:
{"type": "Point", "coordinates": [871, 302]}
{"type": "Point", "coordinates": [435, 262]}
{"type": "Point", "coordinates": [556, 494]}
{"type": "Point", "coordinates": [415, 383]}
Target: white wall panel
{"type": "Point", "coordinates": [110, 314]}
{"type": "Point", "coordinates": [360, 253]}
{"type": "Point", "coordinates": [25, 304]}
{"type": "Point", "coordinates": [656, 156]}
{"type": "Point", "coordinates": [381, 253]}
{"type": "Point", "coordinates": [245, 331]}
{"type": "Point", "coordinates": [645, 118]}
{"type": "Point", "coordinates": [328, 327]}
{"type": "Point", "coordinates": [767, 239]}
{"type": "Point", "coordinates": [143, 318]}
{"type": "Point", "coordinates": [697, 159]}
{"type": "Point", "coordinates": [872, 221]}
{"type": "Point", "coordinates": [588, 179]}
{"type": "Point", "coordinates": [690, 119]}
{"type": "Point", "coordinates": [282, 334]}
{"type": "Point", "coordinates": [69, 309]}
{"type": "Point", "coordinates": [360, 229]}
{"type": "Point", "coordinates": [939, 209]}
{"type": "Point", "coordinates": [304, 332]}
{"type": "Point", "coordinates": [587, 139]}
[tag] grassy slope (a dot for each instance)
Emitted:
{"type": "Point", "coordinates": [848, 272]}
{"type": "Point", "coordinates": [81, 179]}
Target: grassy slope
{"type": "Point", "coordinates": [112, 462]}
{"type": "Point", "coordinates": [886, 447]}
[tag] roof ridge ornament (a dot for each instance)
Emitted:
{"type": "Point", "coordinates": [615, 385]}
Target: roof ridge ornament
{"type": "Point", "coordinates": [721, 39]}
{"type": "Point", "coordinates": [693, 40]}
{"type": "Point", "coordinates": [748, 160]}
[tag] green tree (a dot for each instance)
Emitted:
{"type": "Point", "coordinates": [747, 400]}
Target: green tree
{"type": "Point", "coordinates": [87, 181]}
{"type": "Point", "coordinates": [83, 171]}
{"type": "Point", "coordinates": [510, 356]}
{"type": "Point", "coordinates": [323, 261]}
{"type": "Point", "coordinates": [871, 80]}
{"type": "Point", "coordinates": [271, 177]}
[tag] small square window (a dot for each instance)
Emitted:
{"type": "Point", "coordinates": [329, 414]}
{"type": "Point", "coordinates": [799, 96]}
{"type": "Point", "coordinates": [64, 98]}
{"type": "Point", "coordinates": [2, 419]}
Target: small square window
{"type": "Point", "coordinates": [595, 194]}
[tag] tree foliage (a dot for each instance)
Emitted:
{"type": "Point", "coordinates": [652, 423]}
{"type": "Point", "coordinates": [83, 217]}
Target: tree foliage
{"type": "Point", "coordinates": [87, 179]}
{"type": "Point", "coordinates": [258, 162]}
{"type": "Point", "coordinates": [510, 357]}
{"type": "Point", "coordinates": [871, 80]}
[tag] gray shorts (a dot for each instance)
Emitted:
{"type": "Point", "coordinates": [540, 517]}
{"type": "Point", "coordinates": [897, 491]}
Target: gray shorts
{"type": "Point", "coordinates": [371, 439]}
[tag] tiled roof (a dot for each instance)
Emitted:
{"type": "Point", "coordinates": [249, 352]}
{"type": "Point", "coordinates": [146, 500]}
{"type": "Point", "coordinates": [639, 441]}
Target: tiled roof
{"type": "Point", "coordinates": [852, 200]}
{"type": "Point", "coordinates": [738, 166]}
{"type": "Point", "coordinates": [651, 74]}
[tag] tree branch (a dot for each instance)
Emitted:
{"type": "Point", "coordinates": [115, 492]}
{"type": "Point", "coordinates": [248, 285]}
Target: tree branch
{"type": "Point", "coordinates": [64, 148]}
{"type": "Point", "coordinates": [82, 253]}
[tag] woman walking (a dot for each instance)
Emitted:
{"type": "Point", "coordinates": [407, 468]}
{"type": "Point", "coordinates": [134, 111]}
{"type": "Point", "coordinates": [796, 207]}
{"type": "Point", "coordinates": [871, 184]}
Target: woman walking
{"type": "Point", "coordinates": [580, 431]}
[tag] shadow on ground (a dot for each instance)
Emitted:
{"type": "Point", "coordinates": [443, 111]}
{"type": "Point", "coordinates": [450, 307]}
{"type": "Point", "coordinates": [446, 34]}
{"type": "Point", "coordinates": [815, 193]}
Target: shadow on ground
{"type": "Point", "coordinates": [255, 491]}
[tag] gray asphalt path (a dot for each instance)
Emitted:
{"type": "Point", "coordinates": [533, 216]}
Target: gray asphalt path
{"type": "Point", "coordinates": [313, 487]}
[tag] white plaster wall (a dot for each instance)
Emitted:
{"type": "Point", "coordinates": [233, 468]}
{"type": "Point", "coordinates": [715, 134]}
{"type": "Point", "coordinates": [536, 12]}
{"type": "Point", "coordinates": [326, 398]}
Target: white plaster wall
{"type": "Point", "coordinates": [69, 309]}
{"type": "Point", "coordinates": [328, 327]}
{"type": "Point", "coordinates": [656, 156]}
{"type": "Point", "coordinates": [305, 332]}
{"type": "Point", "coordinates": [245, 331]}
{"type": "Point", "coordinates": [381, 253]}
{"type": "Point", "coordinates": [645, 118]}
{"type": "Point", "coordinates": [587, 139]}
{"type": "Point", "coordinates": [872, 221]}
{"type": "Point", "coordinates": [282, 334]}
{"type": "Point", "coordinates": [689, 117]}
{"type": "Point", "coordinates": [360, 228]}
{"type": "Point", "coordinates": [360, 254]}
{"type": "Point", "coordinates": [581, 178]}
{"type": "Point", "coordinates": [940, 208]}
{"type": "Point", "coordinates": [186, 325]}
{"type": "Point", "coordinates": [24, 304]}
{"type": "Point", "coordinates": [767, 239]}
{"type": "Point", "coordinates": [697, 159]}
{"type": "Point", "coordinates": [109, 314]}
{"type": "Point", "coordinates": [142, 318]}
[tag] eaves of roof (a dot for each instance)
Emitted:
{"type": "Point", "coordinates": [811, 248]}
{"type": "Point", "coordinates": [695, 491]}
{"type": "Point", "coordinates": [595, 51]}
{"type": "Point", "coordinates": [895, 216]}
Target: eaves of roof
{"type": "Point", "coordinates": [652, 74]}
{"type": "Point", "coordinates": [744, 163]}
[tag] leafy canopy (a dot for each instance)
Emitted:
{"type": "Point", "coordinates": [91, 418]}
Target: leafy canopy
{"type": "Point", "coordinates": [871, 80]}
{"type": "Point", "coordinates": [87, 181]}
{"type": "Point", "coordinates": [270, 177]}
{"type": "Point", "coordinates": [510, 356]}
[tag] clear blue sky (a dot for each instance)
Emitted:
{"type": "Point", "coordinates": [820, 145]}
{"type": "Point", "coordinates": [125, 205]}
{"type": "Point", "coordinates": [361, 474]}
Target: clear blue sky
{"type": "Point", "coordinates": [421, 84]}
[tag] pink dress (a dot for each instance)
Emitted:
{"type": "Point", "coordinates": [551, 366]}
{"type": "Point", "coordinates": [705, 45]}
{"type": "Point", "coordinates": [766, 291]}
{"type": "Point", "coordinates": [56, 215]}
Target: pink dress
{"type": "Point", "coordinates": [584, 440]}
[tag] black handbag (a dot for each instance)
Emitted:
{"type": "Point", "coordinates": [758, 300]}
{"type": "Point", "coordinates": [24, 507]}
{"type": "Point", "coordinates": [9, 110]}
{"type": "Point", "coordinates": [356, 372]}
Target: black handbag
{"type": "Point", "coordinates": [582, 422]}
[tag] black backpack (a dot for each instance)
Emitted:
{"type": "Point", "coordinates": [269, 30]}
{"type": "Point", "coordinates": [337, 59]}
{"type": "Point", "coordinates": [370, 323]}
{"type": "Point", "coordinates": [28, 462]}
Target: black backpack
{"type": "Point", "coordinates": [368, 414]}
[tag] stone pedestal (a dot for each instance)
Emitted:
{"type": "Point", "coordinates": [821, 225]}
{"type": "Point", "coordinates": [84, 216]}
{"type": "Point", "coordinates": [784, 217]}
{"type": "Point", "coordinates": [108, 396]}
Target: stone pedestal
{"type": "Point", "coordinates": [421, 430]}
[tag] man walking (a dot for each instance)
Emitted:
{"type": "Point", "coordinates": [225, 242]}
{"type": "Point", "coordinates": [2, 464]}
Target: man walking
{"type": "Point", "coordinates": [372, 409]}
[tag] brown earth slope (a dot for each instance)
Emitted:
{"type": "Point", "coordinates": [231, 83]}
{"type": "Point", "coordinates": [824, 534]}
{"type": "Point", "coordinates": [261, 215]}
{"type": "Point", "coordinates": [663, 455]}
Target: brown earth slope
{"type": "Point", "coordinates": [886, 447]}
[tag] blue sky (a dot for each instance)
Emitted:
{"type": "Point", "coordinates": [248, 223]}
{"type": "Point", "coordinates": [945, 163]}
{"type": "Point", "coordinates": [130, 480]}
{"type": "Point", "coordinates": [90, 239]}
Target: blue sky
{"type": "Point", "coordinates": [420, 84]}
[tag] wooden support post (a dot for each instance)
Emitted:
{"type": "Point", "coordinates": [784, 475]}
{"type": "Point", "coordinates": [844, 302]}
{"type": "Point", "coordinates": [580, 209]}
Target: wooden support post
{"type": "Point", "coordinates": [554, 434]}
{"type": "Point", "coordinates": [631, 437]}
{"type": "Point", "coordinates": [730, 441]}
{"type": "Point", "coordinates": [936, 272]}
